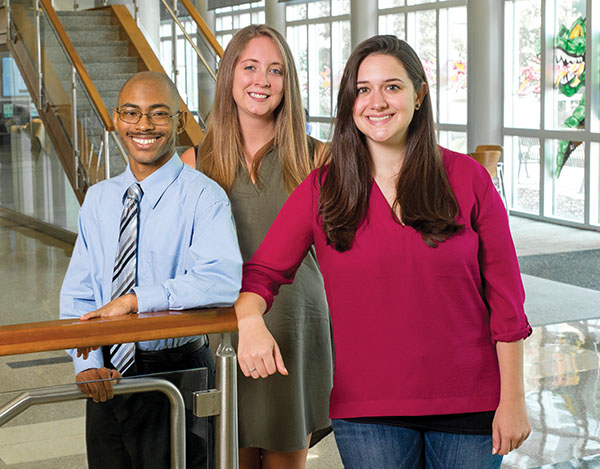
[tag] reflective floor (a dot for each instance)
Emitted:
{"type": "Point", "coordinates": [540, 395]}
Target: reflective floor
{"type": "Point", "coordinates": [562, 382]}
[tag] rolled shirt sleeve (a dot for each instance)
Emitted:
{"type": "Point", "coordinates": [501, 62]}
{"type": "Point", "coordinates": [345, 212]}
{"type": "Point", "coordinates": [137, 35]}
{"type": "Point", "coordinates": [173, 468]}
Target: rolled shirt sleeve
{"type": "Point", "coordinates": [501, 277]}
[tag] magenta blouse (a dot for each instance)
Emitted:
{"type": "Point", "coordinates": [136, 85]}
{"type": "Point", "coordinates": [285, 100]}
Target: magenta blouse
{"type": "Point", "coordinates": [414, 327]}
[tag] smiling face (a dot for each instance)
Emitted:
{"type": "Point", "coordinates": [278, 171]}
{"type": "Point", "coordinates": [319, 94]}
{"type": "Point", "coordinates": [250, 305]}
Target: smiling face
{"type": "Point", "coordinates": [386, 101]}
{"type": "Point", "coordinates": [258, 79]}
{"type": "Point", "coordinates": [148, 145]}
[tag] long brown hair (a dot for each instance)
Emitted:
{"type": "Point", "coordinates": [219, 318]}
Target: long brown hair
{"type": "Point", "coordinates": [424, 194]}
{"type": "Point", "coordinates": [222, 152]}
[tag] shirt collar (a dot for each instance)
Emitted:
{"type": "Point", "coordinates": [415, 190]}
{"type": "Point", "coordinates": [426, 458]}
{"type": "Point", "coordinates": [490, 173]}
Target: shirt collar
{"type": "Point", "coordinates": [156, 184]}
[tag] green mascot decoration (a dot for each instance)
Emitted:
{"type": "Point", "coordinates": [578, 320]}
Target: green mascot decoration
{"type": "Point", "coordinates": [570, 54]}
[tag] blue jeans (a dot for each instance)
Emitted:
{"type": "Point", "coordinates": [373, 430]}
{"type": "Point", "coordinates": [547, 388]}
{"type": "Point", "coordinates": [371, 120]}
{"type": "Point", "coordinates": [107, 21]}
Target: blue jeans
{"type": "Point", "coordinates": [371, 446]}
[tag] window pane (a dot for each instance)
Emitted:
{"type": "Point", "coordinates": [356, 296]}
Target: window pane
{"type": "Point", "coordinates": [456, 141]}
{"type": "Point", "coordinates": [296, 38]}
{"type": "Point", "coordinates": [227, 23]}
{"type": "Point", "coordinates": [390, 3]}
{"type": "Point", "coordinates": [392, 24]}
{"type": "Point", "coordinates": [568, 89]}
{"type": "Point", "coordinates": [321, 131]}
{"type": "Point", "coordinates": [319, 60]}
{"type": "Point", "coordinates": [319, 9]}
{"type": "Point", "coordinates": [568, 186]}
{"type": "Point", "coordinates": [594, 74]}
{"type": "Point", "coordinates": [453, 65]}
{"type": "Point", "coordinates": [523, 156]}
{"type": "Point", "coordinates": [340, 51]}
{"type": "Point", "coordinates": [420, 33]}
{"type": "Point", "coordinates": [340, 7]}
{"type": "Point", "coordinates": [295, 12]}
{"type": "Point", "coordinates": [522, 34]}
{"type": "Point", "coordinates": [595, 184]}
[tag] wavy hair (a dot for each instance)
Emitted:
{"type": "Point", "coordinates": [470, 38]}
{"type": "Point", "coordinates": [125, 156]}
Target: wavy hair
{"type": "Point", "coordinates": [423, 192]}
{"type": "Point", "coordinates": [222, 152]}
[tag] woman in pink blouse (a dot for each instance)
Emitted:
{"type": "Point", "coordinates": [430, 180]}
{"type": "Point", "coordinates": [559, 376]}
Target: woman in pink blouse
{"type": "Point", "coordinates": [421, 277]}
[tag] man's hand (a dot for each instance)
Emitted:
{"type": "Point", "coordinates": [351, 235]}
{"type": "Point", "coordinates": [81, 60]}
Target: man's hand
{"type": "Point", "coordinates": [125, 304]}
{"type": "Point", "coordinates": [99, 391]}
{"type": "Point", "coordinates": [85, 351]}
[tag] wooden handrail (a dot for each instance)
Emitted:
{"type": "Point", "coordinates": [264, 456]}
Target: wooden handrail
{"type": "Point", "coordinates": [78, 64]}
{"type": "Point", "coordinates": [72, 333]}
{"type": "Point", "coordinates": [203, 27]}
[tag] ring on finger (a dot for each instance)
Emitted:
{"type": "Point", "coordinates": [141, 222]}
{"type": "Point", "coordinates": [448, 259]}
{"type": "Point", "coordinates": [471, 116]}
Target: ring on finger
{"type": "Point", "coordinates": [252, 370]}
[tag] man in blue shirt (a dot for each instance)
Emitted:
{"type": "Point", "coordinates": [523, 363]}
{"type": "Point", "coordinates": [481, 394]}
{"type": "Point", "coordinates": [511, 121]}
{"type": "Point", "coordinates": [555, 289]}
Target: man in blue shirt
{"type": "Point", "coordinates": [187, 257]}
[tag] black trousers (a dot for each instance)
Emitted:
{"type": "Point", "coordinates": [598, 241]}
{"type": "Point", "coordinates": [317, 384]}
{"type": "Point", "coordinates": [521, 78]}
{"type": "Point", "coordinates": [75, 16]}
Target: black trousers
{"type": "Point", "coordinates": [132, 431]}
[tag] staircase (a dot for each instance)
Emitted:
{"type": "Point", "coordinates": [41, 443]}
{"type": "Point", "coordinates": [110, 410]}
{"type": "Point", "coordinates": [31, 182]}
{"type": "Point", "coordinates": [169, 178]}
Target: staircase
{"type": "Point", "coordinates": [111, 47]}
{"type": "Point", "coordinates": [104, 48]}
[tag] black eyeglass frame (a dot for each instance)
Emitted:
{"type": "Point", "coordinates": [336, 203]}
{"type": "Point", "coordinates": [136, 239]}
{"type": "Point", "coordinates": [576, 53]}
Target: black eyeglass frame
{"type": "Point", "coordinates": [141, 114]}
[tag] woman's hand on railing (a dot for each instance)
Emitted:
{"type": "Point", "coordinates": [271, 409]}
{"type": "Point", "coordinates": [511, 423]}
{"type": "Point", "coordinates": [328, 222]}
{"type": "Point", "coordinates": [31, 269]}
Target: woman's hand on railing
{"type": "Point", "coordinates": [98, 383]}
{"type": "Point", "coordinates": [125, 304]}
{"type": "Point", "coordinates": [258, 352]}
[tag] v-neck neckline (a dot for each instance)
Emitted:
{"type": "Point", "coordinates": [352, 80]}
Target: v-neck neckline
{"type": "Point", "coordinates": [388, 208]}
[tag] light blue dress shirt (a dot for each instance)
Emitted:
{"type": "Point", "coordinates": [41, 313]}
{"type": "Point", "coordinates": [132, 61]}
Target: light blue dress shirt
{"type": "Point", "coordinates": [188, 254]}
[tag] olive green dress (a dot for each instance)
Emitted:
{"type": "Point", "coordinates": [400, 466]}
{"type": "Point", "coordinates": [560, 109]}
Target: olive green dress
{"type": "Point", "coordinates": [277, 413]}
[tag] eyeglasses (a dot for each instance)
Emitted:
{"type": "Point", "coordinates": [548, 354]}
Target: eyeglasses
{"type": "Point", "coordinates": [133, 116]}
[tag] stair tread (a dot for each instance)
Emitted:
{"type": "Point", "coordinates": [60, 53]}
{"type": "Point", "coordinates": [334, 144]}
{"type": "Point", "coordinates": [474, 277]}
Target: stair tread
{"type": "Point", "coordinates": [84, 27]}
{"type": "Point", "coordinates": [83, 13]}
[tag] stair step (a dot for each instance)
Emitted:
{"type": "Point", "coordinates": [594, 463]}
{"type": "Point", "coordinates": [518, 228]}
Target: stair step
{"type": "Point", "coordinates": [116, 65]}
{"type": "Point", "coordinates": [84, 18]}
{"type": "Point", "coordinates": [105, 82]}
{"type": "Point", "coordinates": [107, 49]}
{"type": "Point", "coordinates": [86, 35]}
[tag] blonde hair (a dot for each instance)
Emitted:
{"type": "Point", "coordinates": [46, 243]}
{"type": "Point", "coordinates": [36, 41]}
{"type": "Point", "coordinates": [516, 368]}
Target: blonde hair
{"type": "Point", "coordinates": [222, 153]}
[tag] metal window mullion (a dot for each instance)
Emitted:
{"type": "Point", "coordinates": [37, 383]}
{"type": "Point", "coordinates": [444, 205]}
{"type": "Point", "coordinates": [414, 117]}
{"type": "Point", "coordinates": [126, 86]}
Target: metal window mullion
{"type": "Point", "coordinates": [323, 19]}
{"type": "Point", "coordinates": [437, 68]}
{"type": "Point", "coordinates": [546, 55]}
{"type": "Point", "coordinates": [589, 64]}
{"type": "Point", "coordinates": [331, 103]}
{"type": "Point", "coordinates": [554, 221]}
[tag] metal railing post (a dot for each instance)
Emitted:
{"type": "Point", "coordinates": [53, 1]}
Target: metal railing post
{"type": "Point", "coordinates": [173, 14]}
{"type": "Point", "coordinates": [106, 155]}
{"type": "Point", "coordinates": [71, 392]}
{"type": "Point", "coordinates": [74, 123]}
{"type": "Point", "coordinates": [38, 53]}
{"type": "Point", "coordinates": [227, 420]}
{"type": "Point", "coordinates": [8, 20]}
{"type": "Point", "coordinates": [136, 12]}
{"type": "Point", "coordinates": [174, 45]}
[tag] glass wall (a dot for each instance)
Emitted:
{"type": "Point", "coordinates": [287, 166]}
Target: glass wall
{"type": "Point", "coordinates": [437, 30]}
{"type": "Point", "coordinates": [32, 180]}
{"type": "Point", "coordinates": [319, 35]}
{"type": "Point", "coordinates": [551, 114]}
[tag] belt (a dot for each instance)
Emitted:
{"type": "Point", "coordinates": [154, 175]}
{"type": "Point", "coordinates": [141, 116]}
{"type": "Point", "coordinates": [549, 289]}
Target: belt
{"type": "Point", "coordinates": [171, 355]}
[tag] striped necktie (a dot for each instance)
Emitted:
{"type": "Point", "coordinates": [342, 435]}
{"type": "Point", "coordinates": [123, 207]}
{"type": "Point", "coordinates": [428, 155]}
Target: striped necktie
{"type": "Point", "coordinates": [124, 274]}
